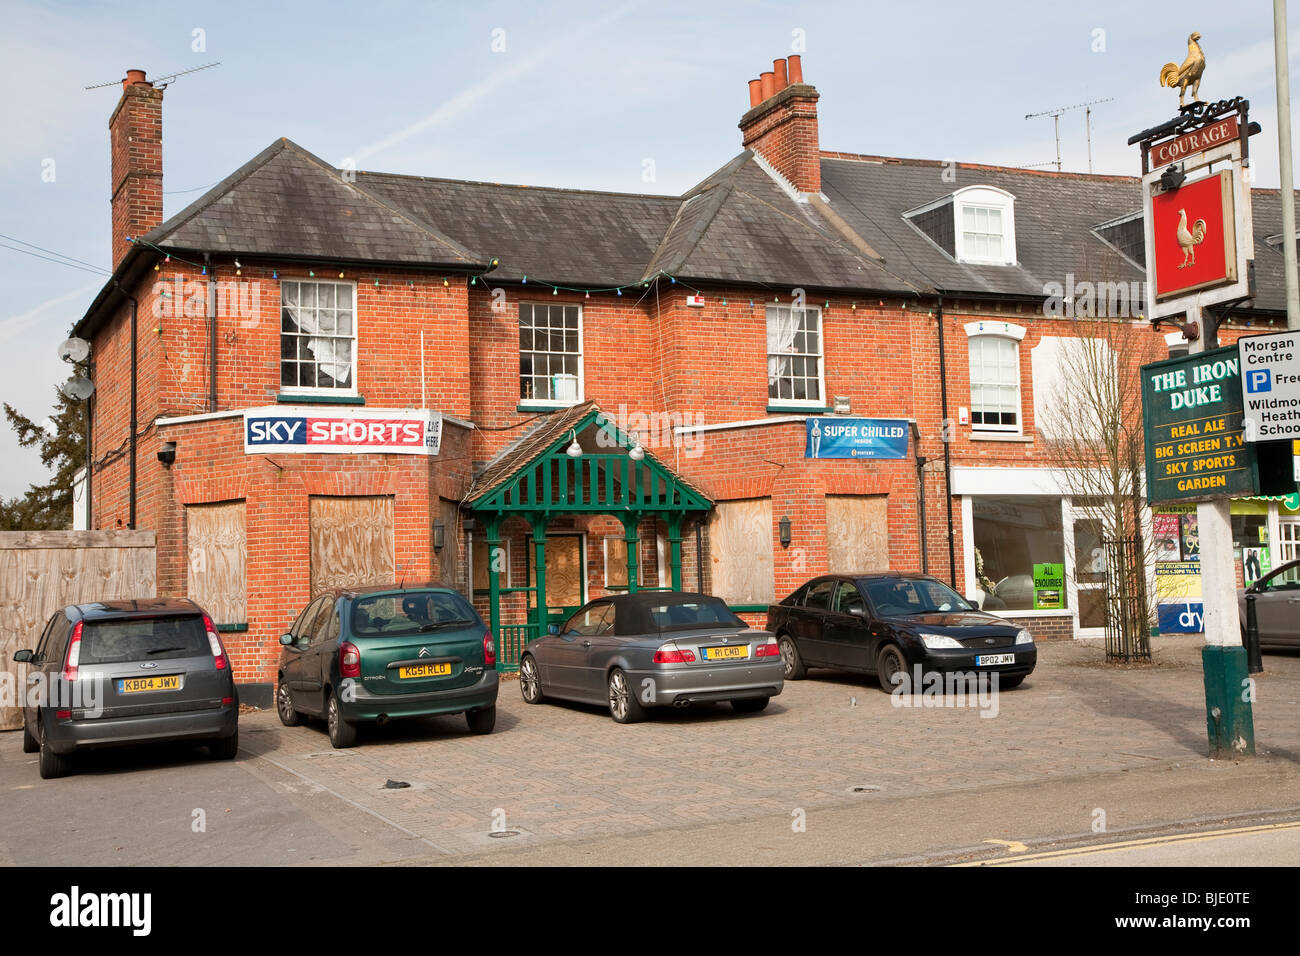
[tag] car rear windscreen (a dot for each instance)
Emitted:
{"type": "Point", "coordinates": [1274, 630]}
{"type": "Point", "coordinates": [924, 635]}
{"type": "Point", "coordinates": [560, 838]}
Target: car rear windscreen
{"type": "Point", "coordinates": [144, 639]}
{"type": "Point", "coordinates": [410, 613]}
{"type": "Point", "coordinates": [668, 617]}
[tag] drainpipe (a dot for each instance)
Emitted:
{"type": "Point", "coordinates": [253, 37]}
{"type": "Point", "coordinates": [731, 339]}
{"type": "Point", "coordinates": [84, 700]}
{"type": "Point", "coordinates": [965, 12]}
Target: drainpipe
{"type": "Point", "coordinates": [134, 425]}
{"type": "Point", "coordinates": [699, 558]}
{"type": "Point", "coordinates": [947, 445]}
{"type": "Point", "coordinates": [212, 333]}
{"type": "Point", "coordinates": [920, 481]}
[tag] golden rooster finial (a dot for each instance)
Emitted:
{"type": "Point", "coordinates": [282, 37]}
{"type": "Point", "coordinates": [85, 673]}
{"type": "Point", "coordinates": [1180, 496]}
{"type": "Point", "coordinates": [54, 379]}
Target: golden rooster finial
{"type": "Point", "coordinates": [1189, 74]}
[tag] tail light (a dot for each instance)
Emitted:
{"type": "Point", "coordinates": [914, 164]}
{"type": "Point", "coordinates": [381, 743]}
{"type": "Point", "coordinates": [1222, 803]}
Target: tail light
{"type": "Point", "coordinates": [214, 642]}
{"type": "Point", "coordinates": [770, 649]}
{"type": "Point", "coordinates": [670, 653]}
{"type": "Point", "coordinates": [73, 655]}
{"type": "Point", "coordinates": [489, 650]}
{"type": "Point", "coordinates": [349, 660]}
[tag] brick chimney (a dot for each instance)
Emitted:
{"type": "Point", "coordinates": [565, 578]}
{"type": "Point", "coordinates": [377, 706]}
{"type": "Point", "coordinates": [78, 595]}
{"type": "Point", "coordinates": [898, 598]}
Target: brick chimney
{"type": "Point", "coordinates": [135, 131]}
{"type": "Point", "coordinates": [781, 125]}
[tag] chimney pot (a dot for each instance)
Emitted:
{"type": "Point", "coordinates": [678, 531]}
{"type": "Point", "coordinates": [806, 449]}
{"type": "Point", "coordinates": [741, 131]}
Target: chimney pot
{"type": "Point", "coordinates": [768, 81]}
{"type": "Point", "coordinates": [796, 69]}
{"type": "Point", "coordinates": [133, 77]}
{"type": "Point", "coordinates": [755, 93]}
{"type": "Point", "coordinates": [778, 67]}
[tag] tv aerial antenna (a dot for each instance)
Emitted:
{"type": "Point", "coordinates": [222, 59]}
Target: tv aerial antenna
{"type": "Point", "coordinates": [1056, 118]}
{"type": "Point", "coordinates": [161, 82]}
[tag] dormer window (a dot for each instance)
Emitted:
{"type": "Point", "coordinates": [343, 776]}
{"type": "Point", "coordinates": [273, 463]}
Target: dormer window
{"type": "Point", "coordinates": [975, 224]}
{"type": "Point", "coordinates": [986, 233]}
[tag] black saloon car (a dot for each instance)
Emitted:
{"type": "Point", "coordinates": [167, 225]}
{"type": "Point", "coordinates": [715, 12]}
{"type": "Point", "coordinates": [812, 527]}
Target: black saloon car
{"type": "Point", "coordinates": [888, 623]}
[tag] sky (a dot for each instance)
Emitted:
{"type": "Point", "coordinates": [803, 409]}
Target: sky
{"type": "Point", "coordinates": [626, 95]}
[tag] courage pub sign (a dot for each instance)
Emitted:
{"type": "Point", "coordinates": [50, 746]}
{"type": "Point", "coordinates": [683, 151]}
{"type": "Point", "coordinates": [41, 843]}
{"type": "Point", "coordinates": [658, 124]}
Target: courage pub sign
{"type": "Point", "coordinates": [1194, 428]}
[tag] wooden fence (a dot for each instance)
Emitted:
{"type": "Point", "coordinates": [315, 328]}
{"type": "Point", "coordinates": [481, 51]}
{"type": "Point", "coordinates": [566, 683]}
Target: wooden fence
{"type": "Point", "coordinates": [42, 571]}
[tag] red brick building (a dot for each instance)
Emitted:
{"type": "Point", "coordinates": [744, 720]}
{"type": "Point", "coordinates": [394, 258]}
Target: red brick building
{"type": "Point", "coordinates": [314, 375]}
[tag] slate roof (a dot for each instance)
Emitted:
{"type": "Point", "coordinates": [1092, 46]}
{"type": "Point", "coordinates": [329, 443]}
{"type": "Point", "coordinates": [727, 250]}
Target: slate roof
{"type": "Point", "coordinates": [1055, 217]}
{"type": "Point", "coordinates": [738, 226]}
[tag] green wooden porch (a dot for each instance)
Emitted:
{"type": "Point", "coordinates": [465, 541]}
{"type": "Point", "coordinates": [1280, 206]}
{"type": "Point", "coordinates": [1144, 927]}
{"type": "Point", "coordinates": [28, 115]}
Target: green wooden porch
{"type": "Point", "coordinates": [577, 462]}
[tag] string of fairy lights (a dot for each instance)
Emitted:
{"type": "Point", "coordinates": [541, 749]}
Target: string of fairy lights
{"type": "Point", "coordinates": [556, 288]}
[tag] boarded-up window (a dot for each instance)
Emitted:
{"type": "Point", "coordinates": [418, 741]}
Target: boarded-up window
{"type": "Point", "coordinates": [649, 574]}
{"type": "Point", "coordinates": [351, 542]}
{"type": "Point", "coordinates": [740, 535]}
{"type": "Point", "coordinates": [479, 557]}
{"type": "Point", "coordinates": [216, 538]}
{"type": "Point", "coordinates": [857, 533]}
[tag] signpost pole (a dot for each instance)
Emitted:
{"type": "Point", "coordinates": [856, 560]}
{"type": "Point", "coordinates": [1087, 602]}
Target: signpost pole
{"type": "Point", "coordinates": [1228, 716]}
{"type": "Point", "coordinates": [1284, 163]}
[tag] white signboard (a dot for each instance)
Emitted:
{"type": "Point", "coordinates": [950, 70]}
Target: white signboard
{"type": "Point", "coordinates": [1270, 385]}
{"type": "Point", "coordinates": [347, 431]}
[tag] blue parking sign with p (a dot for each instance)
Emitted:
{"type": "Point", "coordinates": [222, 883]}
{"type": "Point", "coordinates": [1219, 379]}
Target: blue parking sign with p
{"type": "Point", "coordinates": [1259, 380]}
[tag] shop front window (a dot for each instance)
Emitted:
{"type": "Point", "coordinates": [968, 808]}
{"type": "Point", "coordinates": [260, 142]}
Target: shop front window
{"type": "Point", "coordinates": [1019, 553]}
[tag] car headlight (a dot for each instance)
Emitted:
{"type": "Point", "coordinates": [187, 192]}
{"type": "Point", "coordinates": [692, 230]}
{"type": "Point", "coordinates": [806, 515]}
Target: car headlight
{"type": "Point", "coordinates": [939, 640]}
{"type": "Point", "coordinates": [1024, 637]}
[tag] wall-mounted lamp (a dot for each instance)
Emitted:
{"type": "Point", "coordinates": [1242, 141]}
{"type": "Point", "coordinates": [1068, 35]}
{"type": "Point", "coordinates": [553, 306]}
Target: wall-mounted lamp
{"type": "Point", "coordinates": [636, 452]}
{"type": "Point", "coordinates": [783, 529]}
{"type": "Point", "coordinates": [439, 535]}
{"type": "Point", "coordinates": [167, 454]}
{"type": "Point", "coordinates": [574, 450]}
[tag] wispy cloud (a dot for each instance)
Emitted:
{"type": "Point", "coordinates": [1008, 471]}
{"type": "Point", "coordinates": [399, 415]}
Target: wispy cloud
{"type": "Point", "coordinates": [470, 98]}
{"type": "Point", "coordinates": [17, 323]}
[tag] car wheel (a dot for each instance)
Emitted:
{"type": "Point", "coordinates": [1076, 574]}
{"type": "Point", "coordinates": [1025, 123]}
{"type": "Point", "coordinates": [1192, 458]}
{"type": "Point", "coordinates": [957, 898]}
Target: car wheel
{"type": "Point", "coordinates": [225, 748]}
{"type": "Point", "coordinates": [1006, 683]}
{"type": "Point", "coordinates": [51, 764]}
{"type": "Point", "coordinates": [342, 733]}
{"type": "Point", "coordinates": [890, 663]}
{"type": "Point", "coordinates": [750, 705]}
{"type": "Point", "coordinates": [284, 707]}
{"type": "Point", "coordinates": [794, 669]}
{"type": "Point", "coordinates": [481, 721]}
{"type": "Point", "coordinates": [623, 705]}
{"type": "Point", "coordinates": [30, 744]}
{"type": "Point", "coordinates": [530, 681]}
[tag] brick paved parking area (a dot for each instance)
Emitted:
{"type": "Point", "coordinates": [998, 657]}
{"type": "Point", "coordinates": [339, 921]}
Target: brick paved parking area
{"type": "Point", "coordinates": [561, 772]}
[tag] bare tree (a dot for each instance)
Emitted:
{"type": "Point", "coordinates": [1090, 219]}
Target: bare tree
{"type": "Point", "coordinates": [1092, 428]}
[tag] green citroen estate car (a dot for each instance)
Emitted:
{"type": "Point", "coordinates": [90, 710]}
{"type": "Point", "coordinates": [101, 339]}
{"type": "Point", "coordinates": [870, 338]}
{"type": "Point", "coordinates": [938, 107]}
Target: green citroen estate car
{"type": "Point", "coordinates": [376, 654]}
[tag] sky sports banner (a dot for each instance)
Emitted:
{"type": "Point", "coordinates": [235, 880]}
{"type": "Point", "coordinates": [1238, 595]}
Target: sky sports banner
{"type": "Point", "coordinates": [856, 438]}
{"type": "Point", "coordinates": [357, 431]}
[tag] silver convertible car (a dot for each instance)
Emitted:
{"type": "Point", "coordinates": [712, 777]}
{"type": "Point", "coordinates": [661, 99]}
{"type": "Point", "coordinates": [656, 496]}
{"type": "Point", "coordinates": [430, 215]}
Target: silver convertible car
{"type": "Point", "coordinates": [653, 649]}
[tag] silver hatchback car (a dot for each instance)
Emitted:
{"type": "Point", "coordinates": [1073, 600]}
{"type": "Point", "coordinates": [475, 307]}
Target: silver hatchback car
{"type": "Point", "coordinates": [127, 672]}
{"type": "Point", "coordinates": [653, 649]}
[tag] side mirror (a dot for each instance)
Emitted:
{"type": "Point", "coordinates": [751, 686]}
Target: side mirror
{"type": "Point", "coordinates": [22, 657]}
{"type": "Point", "coordinates": [286, 639]}
{"type": "Point", "coordinates": [553, 629]}
{"type": "Point", "coordinates": [858, 611]}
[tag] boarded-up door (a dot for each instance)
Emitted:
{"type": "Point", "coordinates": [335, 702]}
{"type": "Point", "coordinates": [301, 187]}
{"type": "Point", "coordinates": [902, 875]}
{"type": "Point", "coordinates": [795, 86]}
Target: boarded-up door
{"type": "Point", "coordinates": [351, 542]}
{"type": "Point", "coordinates": [564, 571]}
{"type": "Point", "coordinates": [740, 536]}
{"type": "Point", "coordinates": [43, 571]}
{"type": "Point", "coordinates": [857, 533]}
{"type": "Point", "coordinates": [217, 541]}
{"type": "Point", "coordinates": [449, 556]}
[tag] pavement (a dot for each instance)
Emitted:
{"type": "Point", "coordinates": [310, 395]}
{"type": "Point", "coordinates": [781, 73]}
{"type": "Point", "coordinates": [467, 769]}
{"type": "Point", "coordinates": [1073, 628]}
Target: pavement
{"type": "Point", "coordinates": [831, 772]}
